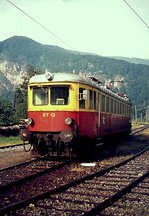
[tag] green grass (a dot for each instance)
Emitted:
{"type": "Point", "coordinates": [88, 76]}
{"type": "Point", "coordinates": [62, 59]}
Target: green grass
{"type": "Point", "coordinates": [10, 140]}
{"type": "Point", "coordinates": [138, 124]}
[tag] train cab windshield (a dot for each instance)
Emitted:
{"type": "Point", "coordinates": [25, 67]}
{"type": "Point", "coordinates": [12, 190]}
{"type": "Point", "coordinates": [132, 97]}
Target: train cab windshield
{"type": "Point", "coordinates": [40, 96]}
{"type": "Point", "coordinates": [59, 95]}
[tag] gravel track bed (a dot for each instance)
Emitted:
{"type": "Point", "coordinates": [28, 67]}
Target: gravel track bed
{"type": "Point", "coordinates": [44, 183]}
{"type": "Point", "coordinates": [77, 200]}
{"type": "Point", "coordinates": [135, 203]}
{"type": "Point", "coordinates": [16, 173]}
{"type": "Point", "coordinates": [104, 157]}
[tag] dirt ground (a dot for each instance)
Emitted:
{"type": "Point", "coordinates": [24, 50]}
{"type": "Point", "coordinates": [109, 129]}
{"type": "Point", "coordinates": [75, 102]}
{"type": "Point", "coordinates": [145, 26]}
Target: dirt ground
{"type": "Point", "coordinates": [12, 156]}
{"type": "Point", "coordinates": [119, 151]}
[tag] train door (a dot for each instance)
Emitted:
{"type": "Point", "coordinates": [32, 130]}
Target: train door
{"type": "Point", "coordinates": [83, 122]}
{"type": "Point", "coordinates": [98, 114]}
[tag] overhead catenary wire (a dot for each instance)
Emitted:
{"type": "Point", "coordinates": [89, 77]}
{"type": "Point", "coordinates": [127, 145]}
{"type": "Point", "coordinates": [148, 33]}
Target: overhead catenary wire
{"type": "Point", "coordinates": [42, 26]}
{"type": "Point", "coordinates": [58, 38]}
{"type": "Point", "coordinates": [136, 14]}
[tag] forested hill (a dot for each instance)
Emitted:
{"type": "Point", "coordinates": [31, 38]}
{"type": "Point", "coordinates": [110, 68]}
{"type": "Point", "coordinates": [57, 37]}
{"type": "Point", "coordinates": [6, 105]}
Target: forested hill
{"type": "Point", "coordinates": [133, 60]}
{"type": "Point", "coordinates": [17, 52]}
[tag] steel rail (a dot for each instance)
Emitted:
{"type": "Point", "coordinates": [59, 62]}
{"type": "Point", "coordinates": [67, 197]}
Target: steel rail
{"type": "Point", "coordinates": [137, 130]}
{"type": "Point", "coordinates": [62, 188]}
{"type": "Point", "coordinates": [19, 165]}
{"type": "Point", "coordinates": [39, 173]}
{"type": "Point", "coordinates": [10, 146]}
{"type": "Point", "coordinates": [108, 202]}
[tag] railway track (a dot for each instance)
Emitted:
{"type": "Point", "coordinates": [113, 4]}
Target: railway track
{"type": "Point", "coordinates": [134, 131]}
{"type": "Point", "coordinates": [27, 146]}
{"type": "Point", "coordinates": [27, 188]}
{"type": "Point", "coordinates": [10, 146]}
{"type": "Point", "coordinates": [135, 202]}
{"type": "Point", "coordinates": [20, 173]}
{"type": "Point", "coordinates": [85, 196]}
{"type": "Point", "coordinates": [140, 129]}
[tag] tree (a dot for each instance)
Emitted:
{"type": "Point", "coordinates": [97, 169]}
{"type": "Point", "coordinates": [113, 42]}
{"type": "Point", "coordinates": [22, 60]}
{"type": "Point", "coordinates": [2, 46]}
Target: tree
{"type": "Point", "coordinates": [20, 100]}
{"type": "Point", "coordinates": [7, 113]}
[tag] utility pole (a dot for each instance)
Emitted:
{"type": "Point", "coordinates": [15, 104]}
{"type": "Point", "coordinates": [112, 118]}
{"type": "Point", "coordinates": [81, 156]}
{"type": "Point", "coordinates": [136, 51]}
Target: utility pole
{"type": "Point", "coordinates": [141, 117]}
{"type": "Point", "coordinates": [136, 113]}
{"type": "Point", "coordinates": [147, 114]}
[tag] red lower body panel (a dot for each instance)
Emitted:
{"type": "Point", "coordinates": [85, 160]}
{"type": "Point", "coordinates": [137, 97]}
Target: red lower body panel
{"type": "Point", "coordinates": [89, 124]}
{"type": "Point", "coordinates": [46, 121]}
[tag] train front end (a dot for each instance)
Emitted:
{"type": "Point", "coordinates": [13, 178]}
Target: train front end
{"type": "Point", "coordinates": [52, 121]}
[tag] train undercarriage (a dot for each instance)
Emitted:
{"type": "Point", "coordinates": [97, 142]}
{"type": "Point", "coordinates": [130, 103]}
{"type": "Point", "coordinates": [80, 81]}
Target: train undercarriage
{"type": "Point", "coordinates": [51, 144]}
{"type": "Point", "coordinates": [64, 143]}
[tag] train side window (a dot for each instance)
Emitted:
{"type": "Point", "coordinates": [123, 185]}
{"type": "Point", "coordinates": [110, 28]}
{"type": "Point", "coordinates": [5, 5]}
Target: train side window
{"type": "Point", "coordinates": [125, 110]}
{"type": "Point", "coordinates": [40, 96]}
{"type": "Point", "coordinates": [107, 104]}
{"type": "Point", "coordinates": [59, 95]}
{"type": "Point", "coordinates": [121, 108]}
{"type": "Point", "coordinates": [111, 105]}
{"type": "Point", "coordinates": [118, 108]}
{"type": "Point", "coordinates": [98, 102]}
{"type": "Point", "coordinates": [91, 99]}
{"type": "Point", "coordinates": [115, 106]}
{"type": "Point", "coordinates": [103, 103]}
{"type": "Point", "coordinates": [95, 100]}
{"type": "Point", "coordinates": [129, 110]}
{"type": "Point", "coordinates": [81, 99]}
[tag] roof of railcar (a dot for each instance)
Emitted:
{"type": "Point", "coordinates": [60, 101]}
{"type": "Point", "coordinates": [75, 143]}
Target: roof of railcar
{"type": "Point", "coordinates": [60, 77]}
{"type": "Point", "coordinates": [69, 77]}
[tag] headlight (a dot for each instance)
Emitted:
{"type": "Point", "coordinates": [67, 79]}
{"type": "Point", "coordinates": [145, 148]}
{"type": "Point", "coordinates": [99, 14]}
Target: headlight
{"type": "Point", "coordinates": [25, 134]}
{"type": "Point", "coordinates": [68, 121]}
{"type": "Point", "coordinates": [28, 121]}
{"type": "Point", "coordinates": [66, 135]}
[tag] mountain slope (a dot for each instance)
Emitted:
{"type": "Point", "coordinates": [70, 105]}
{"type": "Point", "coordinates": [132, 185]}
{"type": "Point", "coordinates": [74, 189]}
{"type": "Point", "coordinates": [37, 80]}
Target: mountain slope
{"type": "Point", "coordinates": [133, 60]}
{"type": "Point", "coordinates": [18, 52]}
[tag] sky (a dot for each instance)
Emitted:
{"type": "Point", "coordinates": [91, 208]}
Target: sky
{"type": "Point", "coordinates": [103, 27]}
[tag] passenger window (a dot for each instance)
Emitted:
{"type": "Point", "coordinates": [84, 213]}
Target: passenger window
{"type": "Point", "coordinates": [103, 103]}
{"type": "Point", "coordinates": [91, 99]}
{"type": "Point", "coordinates": [124, 109]}
{"type": "Point", "coordinates": [98, 101]}
{"type": "Point", "coordinates": [81, 99]}
{"type": "Point", "coordinates": [107, 104]}
{"type": "Point", "coordinates": [115, 107]}
{"type": "Point", "coordinates": [111, 105]}
{"type": "Point", "coordinates": [118, 108]}
{"type": "Point", "coordinates": [94, 100]}
{"type": "Point", "coordinates": [121, 108]}
{"type": "Point", "coordinates": [128, 110]}
{"type": "Point", "coordinates": [40, 96]}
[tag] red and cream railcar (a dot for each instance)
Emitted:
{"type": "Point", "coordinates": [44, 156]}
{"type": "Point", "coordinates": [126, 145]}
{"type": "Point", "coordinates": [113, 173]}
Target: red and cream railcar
{"type": "Point", "coordinates": [64, 108]}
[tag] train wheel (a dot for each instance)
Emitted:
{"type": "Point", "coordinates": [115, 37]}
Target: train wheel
{"type": "Point", "coordinates": [41, 147]}
{"type": "Point", "coordinates": [60, 147]}
{"type": "Point", "coordinates": [83, 147]}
